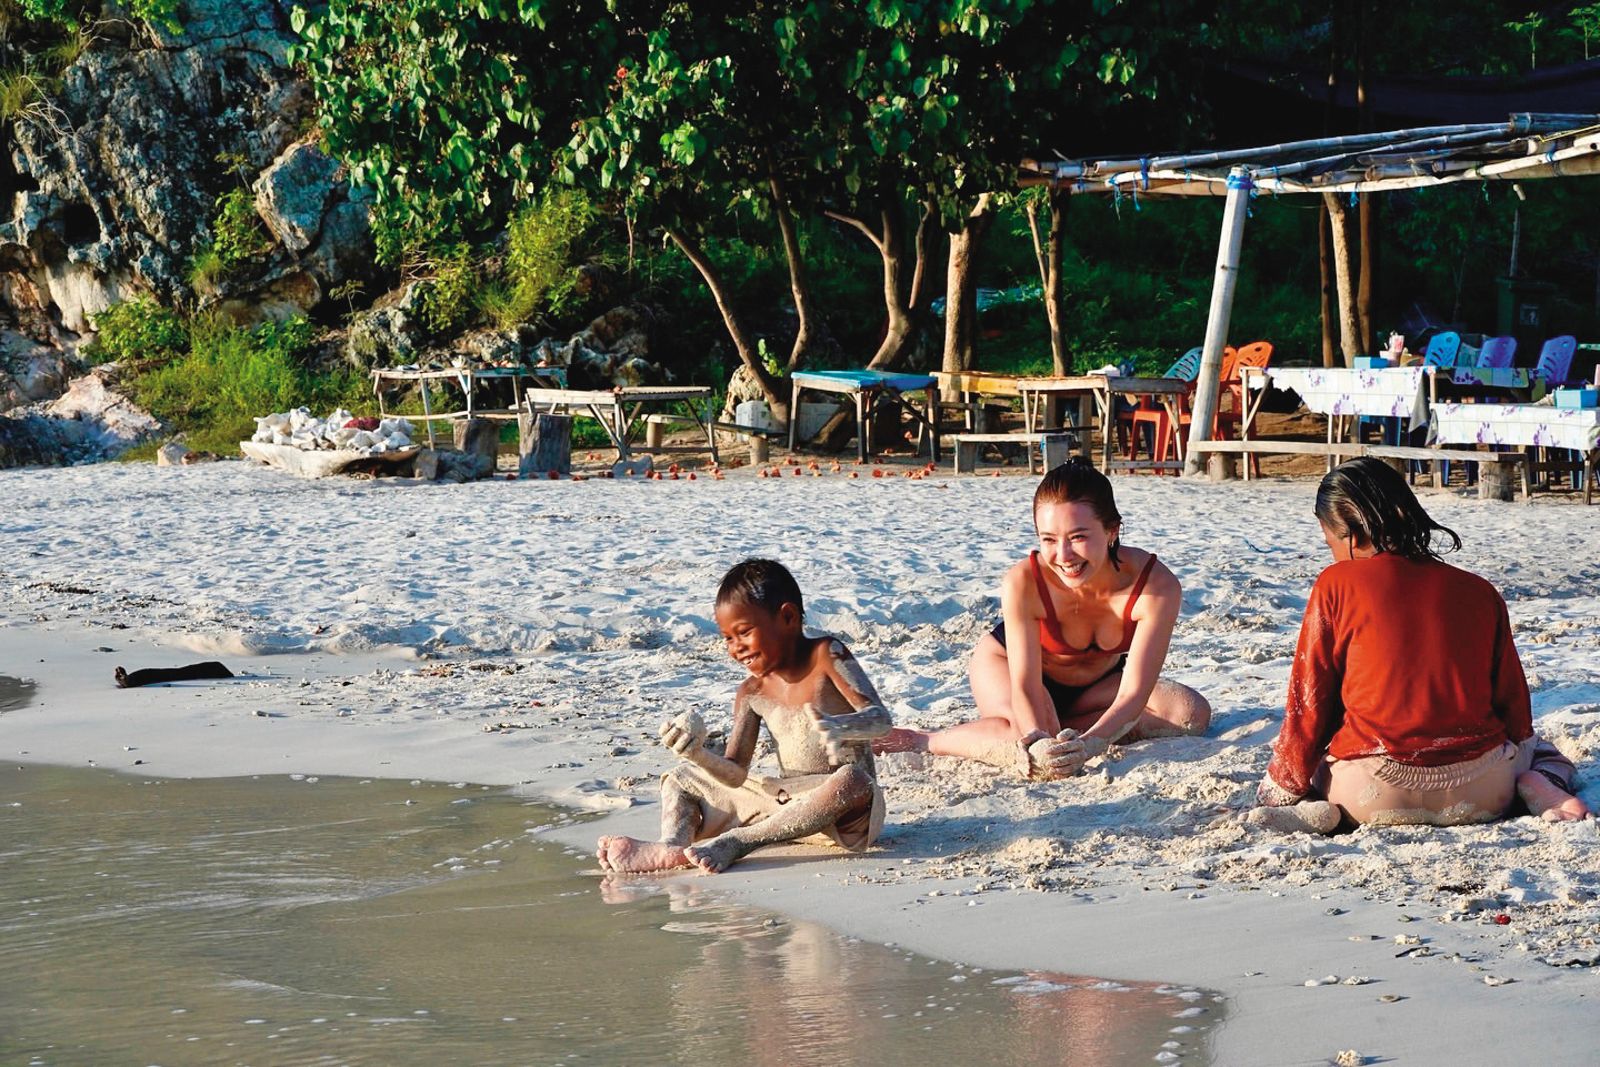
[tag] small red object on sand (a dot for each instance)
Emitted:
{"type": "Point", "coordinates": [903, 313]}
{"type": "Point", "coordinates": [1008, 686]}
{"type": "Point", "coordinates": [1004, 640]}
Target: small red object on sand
{"type": "Point", "coordinates": [554, 476]}
{"type": "Point", "coordinates": [691, 476]}
{"type": "Point", "coordinates": [511, 477]}
{"type": "Point", "coordinates": [580, 477]}
{"type": "Point", "coordinates": [1502, 919]}
{"type": "Point", "coordinates": [855, 474]}
{"type": "Point", "coordinates": [797, 472]}
{"type": "Point", "coordinates": [877, 472]}
{"type": "Point", "coordinates": [674, 475]}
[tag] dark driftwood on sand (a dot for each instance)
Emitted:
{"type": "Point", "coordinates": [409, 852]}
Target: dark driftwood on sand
{"type": "Point", "coordinates": [158, 675]}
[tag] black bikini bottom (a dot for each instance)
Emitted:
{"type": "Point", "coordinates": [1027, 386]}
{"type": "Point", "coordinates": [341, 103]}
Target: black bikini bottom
{"type": "Point", "coordinates": [1064, 696]}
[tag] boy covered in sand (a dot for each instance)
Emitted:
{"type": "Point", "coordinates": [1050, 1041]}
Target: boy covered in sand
{"type": "Point", "coordinates": [822, 713]}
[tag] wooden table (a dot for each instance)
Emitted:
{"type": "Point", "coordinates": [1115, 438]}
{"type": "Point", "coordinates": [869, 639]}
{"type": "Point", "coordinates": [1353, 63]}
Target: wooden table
{"type": "Point", "coordinates": [1103, 391]}
{"type": "Point", "coordinates": [617, 410]}
{"type": "Point", "coordinates": [866, 388]}
{"type": "Point", "coordinates": [466, 378]}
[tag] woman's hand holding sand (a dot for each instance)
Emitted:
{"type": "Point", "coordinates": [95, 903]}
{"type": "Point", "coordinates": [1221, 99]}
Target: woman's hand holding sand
{"type": "Point", "coordinates": [1046, 758]}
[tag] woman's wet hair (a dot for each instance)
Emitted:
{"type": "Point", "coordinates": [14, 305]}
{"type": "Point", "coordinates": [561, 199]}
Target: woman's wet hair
{"type": "Point", "coordinates": [1367, 498]}
{"type": "Point", "coordinates": [1077, 482]}
{"type": "Point", "coordinates": [764, 583]}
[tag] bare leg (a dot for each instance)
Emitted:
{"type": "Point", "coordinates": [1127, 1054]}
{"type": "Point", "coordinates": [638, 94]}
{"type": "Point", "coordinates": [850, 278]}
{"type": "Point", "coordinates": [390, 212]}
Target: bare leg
{"type": "Point", "coordinates": [1308, 817]}
{"type": "Point", "coordinates": [1546, 786]}
{"type": "Point", "coordinates": [847, 789]}
{"type": "Point", "coordinates": [681, 816]}
{"type": "Point", "coordinates": [1173, 710]}
{"type": "Point", "coordinates": [992, 737]}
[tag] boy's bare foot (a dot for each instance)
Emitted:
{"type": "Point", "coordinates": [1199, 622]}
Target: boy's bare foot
{"type": "Point", "coordinates": [1549, 801]}
{"type": "Point", "coordinates": [122, 678]}
{"type": "Point", "coordinates": [1307, 817]}
{"type": "Point", "coordinates": [629, 855]}
{"type": "Point", "coordinates": [716, 855]}
{"type": "Point", "coordinates": [901, 739]}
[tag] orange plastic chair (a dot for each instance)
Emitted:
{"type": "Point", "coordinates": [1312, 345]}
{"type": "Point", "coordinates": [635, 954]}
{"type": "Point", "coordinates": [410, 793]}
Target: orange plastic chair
{"type": "Point", "coordinates": [1163, 435]}
{"type": "Point", "coordinates": [1258, 354]}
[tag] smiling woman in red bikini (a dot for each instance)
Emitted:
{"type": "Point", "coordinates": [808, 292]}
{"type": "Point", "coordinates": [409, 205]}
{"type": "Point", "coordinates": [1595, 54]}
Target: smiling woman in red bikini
{"type": "Point", "coordinates": [1076, 662]}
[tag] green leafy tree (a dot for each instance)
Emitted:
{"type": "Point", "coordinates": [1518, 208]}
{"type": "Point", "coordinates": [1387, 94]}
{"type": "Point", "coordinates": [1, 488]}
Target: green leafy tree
{"type": "Point", "coordinates": [450, 110]}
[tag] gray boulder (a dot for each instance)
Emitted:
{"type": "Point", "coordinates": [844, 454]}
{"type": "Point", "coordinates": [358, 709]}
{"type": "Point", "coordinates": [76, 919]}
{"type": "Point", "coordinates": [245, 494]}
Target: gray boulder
{"type": "Point", "coordinates": [118, 171]}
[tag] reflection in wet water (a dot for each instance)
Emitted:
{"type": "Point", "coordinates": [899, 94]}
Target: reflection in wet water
{"type": "Point", "coordinates": [15, 693]}
{"type": "Point", "coordinates": [295, 921]}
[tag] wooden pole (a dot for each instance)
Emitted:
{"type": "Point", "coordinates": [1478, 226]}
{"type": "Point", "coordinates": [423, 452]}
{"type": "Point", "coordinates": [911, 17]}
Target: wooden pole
{"type": "Point", "coordinates": [1227, 276]}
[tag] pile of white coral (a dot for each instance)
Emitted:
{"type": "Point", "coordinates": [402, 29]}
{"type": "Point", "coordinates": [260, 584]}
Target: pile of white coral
{"type": "Point", "coordinates": [340, 430]}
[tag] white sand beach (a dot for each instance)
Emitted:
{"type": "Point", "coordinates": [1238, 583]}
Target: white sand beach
{"type": "Point", "coordinates": [533, 634]}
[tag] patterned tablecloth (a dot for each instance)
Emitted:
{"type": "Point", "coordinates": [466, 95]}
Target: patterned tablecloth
{"type": "Point", "coordinates": [1393, 392]}
{"type": "Point", "coordinates": [1517, 424]}
{"type": "Point", "coordinates": [1496, 377]}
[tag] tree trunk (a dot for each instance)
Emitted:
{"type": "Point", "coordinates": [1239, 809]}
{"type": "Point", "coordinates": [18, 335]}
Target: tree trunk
{"type": "Point", "coordinates": [742, 342]}
{"type": "Point", "coordinates": [902, 306]}
{"type": "Point", "coordinates": [799, 284]}
{"type": "Point", "coordinates": [1339, 223]}
{"type": "Point", "coordinates": [1054, 299]}
{"type": "Point", "coordinates": [961, 294]}
{"type": "Point", "coordinates": [1366, 289]}
{"type": "Point", "coordinates": [1329, 311]}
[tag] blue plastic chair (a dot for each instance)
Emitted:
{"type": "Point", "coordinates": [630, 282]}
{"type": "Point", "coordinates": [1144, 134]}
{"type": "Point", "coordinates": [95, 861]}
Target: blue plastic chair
{"type": "Point", "coordinates": [1497, 352]}
{"type": "Point", "coordinates": [1555, 360]}
{"type": "Point", "coordinates": [1187, 366]}
{"type": "Point", "coordinates": [1442, 350]}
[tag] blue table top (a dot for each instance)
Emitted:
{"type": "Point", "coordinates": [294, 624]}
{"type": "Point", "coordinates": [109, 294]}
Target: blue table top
{"type": "Point", "coordinates": [867, 379]}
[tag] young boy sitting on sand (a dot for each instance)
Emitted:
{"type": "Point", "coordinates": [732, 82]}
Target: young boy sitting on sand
{"type": "Point", "coordinates": [822, 713]}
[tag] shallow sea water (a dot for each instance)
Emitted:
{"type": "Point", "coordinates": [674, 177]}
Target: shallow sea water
{"type": "Point", "coordinates": [292, 920]}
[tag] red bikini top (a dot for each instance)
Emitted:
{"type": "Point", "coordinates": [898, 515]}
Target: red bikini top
{"type": "Point", "coordinates": [1050, 638]}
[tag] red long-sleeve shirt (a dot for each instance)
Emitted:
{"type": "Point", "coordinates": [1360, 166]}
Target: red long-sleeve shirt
{"type": "Point", "coordinates": [1413, 661]}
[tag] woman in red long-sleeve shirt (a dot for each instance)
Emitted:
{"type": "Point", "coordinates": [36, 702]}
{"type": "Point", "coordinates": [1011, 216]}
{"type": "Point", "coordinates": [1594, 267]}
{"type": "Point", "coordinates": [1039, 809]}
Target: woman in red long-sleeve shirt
{"type": "Point", "coordinates": [1407, 702]}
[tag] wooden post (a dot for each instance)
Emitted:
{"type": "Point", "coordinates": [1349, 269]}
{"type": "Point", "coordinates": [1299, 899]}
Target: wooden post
{"type": "Point", "coordinates": [1205, 400]}
{"type": "Point", "coordinates": [760, 450]}
{"type": "Point", "coordinates": [479, 440]}
{"type": "Point", "coordinates": [654, 433]}
{"type": "Point", "coordinates": [1495, 481]}
{"type": "Point", "coordinates": [546, 444]}
{"type": "Point", "coordinates": [1057, 449]}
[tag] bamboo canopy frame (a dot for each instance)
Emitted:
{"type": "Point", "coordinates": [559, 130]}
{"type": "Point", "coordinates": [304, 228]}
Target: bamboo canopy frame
{"type": "Point", "coordinates": [1526, 146]}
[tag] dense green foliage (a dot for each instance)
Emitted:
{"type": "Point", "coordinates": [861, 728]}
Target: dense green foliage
{"type": "Point", "coordinates": [540, 245]}
{"type": "Point", "coordinates": [74, 13]}
{"type": "Point", "coordinates": [219, 377]}
{"type": "Point", "coordinates": [237, 233]}
{"type": "Point", "coordinates": [136, 331]}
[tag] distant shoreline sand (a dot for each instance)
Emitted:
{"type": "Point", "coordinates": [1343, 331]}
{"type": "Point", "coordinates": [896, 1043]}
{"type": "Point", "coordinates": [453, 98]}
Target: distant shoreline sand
{"type": "Point", "coordinates": [379, 628]}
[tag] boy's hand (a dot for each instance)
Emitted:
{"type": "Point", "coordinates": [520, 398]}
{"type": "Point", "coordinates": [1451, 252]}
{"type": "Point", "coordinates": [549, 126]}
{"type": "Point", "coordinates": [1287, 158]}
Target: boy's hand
{"type": "Point", "coordinates": [684, 734]}
{"type": "Point", "coordinates": [834, 733]}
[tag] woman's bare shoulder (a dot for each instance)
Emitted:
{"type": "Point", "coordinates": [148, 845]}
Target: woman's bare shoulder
{"type": "Point", "coordinates": [1162, 582]}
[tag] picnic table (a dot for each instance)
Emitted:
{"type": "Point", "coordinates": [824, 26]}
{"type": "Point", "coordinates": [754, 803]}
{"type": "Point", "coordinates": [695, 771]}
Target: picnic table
{"type": "Point", "coordinates": [1104, 390]}
{"type": "Point", "coordinates": [867, 388]}
{"type": "Point", "coordinates": [617, 410]}
{"type": "Point", "coordinates": [466, 378]}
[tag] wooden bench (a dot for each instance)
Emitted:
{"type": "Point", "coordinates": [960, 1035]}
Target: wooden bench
{"type": "Point", "coordinates": [1495, 469]}
{"type": "Point", "coordinates": [1055, 446]}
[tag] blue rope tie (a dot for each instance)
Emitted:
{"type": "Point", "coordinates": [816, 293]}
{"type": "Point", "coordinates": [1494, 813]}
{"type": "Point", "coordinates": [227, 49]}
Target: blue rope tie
{"type": "Point", "coordinates": [1144, 176]}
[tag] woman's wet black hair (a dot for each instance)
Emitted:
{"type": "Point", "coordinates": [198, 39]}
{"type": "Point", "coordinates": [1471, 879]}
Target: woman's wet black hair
{"type": "Point", "coordinates": [766, 583]}
{"type": "Point", "coordinates": [1076, 481]}
{"type": "Point", "coordinates": [1368, 498]}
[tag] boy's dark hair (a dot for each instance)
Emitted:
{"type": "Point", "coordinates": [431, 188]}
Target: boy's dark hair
{"type": "Point", "coordinates": [1366, 496]}
{"type": "Point", "coordinates": [1076, 481]}
{"type": "Point", "coordinates": [766, 583]}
